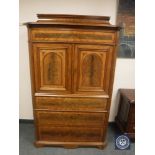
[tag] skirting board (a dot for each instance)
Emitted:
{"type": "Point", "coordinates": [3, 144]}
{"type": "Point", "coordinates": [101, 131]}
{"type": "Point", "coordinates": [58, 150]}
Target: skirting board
{"type": "Point", "coordinates": [32, 121]}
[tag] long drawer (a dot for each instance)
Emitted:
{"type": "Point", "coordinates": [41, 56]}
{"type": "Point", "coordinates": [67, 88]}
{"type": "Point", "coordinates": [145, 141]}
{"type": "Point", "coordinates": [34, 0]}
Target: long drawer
{"type": "Point", "coordinates": [71, 104]}
{"type": "Point", "coordinates": [72, 36]}
{"type": "Point", "coordinates": [71, 134]}
{"type": "Point", "coordinates": [48, 118]}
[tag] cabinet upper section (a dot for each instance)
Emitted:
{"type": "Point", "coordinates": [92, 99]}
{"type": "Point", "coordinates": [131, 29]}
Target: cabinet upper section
{"type": "Point", "coordinates": [77, 21]}
{"type": "Point", "coordinates": [72, 54]}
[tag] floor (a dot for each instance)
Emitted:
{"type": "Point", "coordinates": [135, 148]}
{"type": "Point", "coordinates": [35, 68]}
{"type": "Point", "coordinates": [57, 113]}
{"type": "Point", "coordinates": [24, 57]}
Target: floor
{"type": "Point", "coordinates": [26, 147]}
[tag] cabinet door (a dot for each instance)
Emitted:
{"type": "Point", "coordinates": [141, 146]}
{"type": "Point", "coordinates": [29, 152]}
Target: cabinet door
{"type": "Point", "coordinates": [52, 67]}
{"type": "Point", "coordinates": [92, 68]}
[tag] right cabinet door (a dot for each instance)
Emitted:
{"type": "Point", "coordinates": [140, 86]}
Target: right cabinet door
{"type": "Point", "coordinates": [92, 68]}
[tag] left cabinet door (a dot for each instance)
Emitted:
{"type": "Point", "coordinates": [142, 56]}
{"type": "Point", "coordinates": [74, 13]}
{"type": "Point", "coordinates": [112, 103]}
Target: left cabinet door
{"type": "Point", "coordinates": [52, 67]}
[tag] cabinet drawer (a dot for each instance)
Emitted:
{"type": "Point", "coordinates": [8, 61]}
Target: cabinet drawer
{"type": "Point", "coordinates": [45, 118]}
{"type": "Point", "coordinates": [72, 36]}
{"type": "Point", "coordinates": [70, 134]}
{"type": "Point", "coordinates": [71, 104]}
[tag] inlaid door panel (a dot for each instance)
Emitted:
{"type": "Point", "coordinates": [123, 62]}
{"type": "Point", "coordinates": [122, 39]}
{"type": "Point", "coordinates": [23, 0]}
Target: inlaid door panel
{"type": "Point", "coordinates": [52, 67]}
{"type": "Point", "coordinates": [92, 68]}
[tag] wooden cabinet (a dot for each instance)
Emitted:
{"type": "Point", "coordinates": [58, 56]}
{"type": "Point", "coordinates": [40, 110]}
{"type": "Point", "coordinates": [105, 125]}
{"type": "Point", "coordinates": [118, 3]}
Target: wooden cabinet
{"type": "Point", "coordinates": [125, 118]}
{"type": "Point", "coordinates": [72, 63]}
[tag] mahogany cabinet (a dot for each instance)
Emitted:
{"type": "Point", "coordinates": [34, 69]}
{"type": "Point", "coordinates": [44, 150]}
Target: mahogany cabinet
{"type": "Point", "coordinates": [72, 63]}
{"type": "Point", "coordinates": [125, 119]}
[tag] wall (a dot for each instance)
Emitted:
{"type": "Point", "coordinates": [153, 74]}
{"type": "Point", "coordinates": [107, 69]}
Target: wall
{"type": "Point", "coordinates": [124, 77]}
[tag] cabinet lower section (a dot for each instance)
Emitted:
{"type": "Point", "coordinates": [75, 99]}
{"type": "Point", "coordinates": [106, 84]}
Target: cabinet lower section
{"type": "Point", "coordinates": [61, 122]}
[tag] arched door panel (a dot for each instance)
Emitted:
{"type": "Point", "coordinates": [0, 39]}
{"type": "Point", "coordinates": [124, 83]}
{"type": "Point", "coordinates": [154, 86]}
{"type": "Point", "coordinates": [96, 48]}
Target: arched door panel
{"type": "Point", "coordinates": [52, 64]}
{"type": "Point", "coordinates": [92, 68]}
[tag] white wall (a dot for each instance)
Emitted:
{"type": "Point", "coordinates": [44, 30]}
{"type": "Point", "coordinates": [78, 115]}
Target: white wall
{"type": "Point", "coordinates": [124, 77]}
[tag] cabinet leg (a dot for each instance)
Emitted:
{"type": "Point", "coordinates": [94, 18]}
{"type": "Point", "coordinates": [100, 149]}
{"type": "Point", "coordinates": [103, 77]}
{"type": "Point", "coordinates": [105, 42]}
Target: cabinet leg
{"type": "Point", "coordinates": [102, 146]}
{"type": "Point", "coordinates": [38, 145]}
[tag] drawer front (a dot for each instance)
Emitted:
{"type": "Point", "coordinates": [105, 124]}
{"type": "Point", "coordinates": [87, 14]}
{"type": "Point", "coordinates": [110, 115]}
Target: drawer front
{"type": "Point", "coordinates": [71, 104]}
{"type": "Point", "coordinates": [45, 118]}
{"type": "Point", "coordinates": [70, 134]}
{"type": "Point", "coordinates": [82, 36]}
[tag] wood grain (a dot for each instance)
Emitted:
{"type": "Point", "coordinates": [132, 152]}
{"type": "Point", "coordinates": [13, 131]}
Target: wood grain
{"type": "Point", "coordinates": [72, 63]}
{"type": "Point", "coordinates": [92, 68]}
{"type": "Point", "coordinates": [72, 36]}
{"type": "Point", "coordinates": [70, 134]}
{"type": "Point", "coordinates": [52, 67]}
{"type": "Point", "coordinates": [71, 104]}
{"type": "Point", "coordinates": [48, 118]}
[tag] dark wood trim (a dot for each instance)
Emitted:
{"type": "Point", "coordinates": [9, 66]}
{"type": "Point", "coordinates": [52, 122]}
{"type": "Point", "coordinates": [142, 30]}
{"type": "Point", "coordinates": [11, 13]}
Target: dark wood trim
{"type": "Point", "coordinates": [51, 16]}
{"type": "Point", "coordinates": [62, 25]}
{"type": "Point", "coordinates": [73, 21]}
